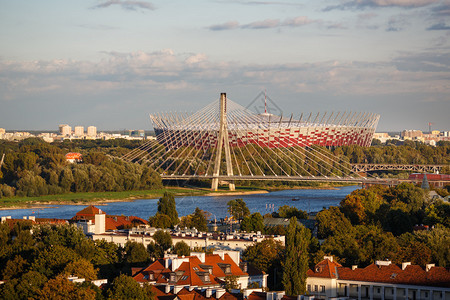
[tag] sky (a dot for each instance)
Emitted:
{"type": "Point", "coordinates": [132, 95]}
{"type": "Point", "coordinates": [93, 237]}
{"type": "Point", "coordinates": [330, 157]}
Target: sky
{"type": "Point", "coordinates": [112, 63]}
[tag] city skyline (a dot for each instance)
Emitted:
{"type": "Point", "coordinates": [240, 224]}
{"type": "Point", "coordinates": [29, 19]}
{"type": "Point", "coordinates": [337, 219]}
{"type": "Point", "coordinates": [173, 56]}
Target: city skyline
{"type": "Point", "coordinates": [112, 63]}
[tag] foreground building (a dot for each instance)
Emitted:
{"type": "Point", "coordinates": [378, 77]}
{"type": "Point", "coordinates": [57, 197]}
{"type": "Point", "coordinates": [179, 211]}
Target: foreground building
{"type": "Point", "coordinates": [201, 270]}
{"type": "Point", "coordinates": [380, 280]}
{"type": "Point", "coordinates": [95, 221]}
{"type": "Point", "coordinates": [193, 238]}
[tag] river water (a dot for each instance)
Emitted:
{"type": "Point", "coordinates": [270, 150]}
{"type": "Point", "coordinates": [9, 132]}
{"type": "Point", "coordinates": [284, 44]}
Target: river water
{"type": "Point", "coordinates": [309, 200]}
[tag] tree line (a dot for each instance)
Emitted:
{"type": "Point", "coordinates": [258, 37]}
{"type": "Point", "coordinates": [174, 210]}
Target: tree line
{"type": "Point", "coordinates": [370, 224]}
{"type": "Point", "coordinates": [35, 168]}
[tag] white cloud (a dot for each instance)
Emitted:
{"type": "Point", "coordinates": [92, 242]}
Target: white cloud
{"type": "Point", "coordinates": [166, 70]}
{"type": "Point", "coordinates": [128, 5]}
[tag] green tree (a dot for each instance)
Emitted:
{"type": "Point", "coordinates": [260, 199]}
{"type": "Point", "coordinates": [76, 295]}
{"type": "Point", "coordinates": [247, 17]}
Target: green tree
{"type": "Point", "coordinates": [238, 209]}
{"type": "Point", "coordinates": [181, 248]}
{"type": "Point", "coordinates": [254, 222]}
{"type": "Point", "coordinates": [160, 221]}
{"type": "Point", "coordinates": [231, 283]}
{"type": "Point", "coordinates": [332, 221]}
{"type": "Point", "coordinates": [296, 265]}
{"type": "Point", "coordinates": [198, 220]}
{"type": "Point", "coordinates": [166, 206]}
{"type": "Point", "coordinates": [163, 241]}
{"type": "Point", "coordinates": [267, 256]}
{"type": "Point", "coordinates": [288, 212]}
{"type": "Point", "coordinates": [82, 269]}
{"type": "Point", "coordinates": [60, 288]}
{"type": "Point", "coordinates": [29, 285]}
{"type": "Point", "coordinates": [135, 253]}
{"type": "Point", "coordinates": [125, 287]}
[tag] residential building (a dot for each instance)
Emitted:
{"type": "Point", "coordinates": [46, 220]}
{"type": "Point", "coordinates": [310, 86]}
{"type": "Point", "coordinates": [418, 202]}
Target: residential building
{"type": "Point", "coordinates": [92, 131]}
{"type": "Point", "coordinates": [382, 136]}
{"type": "Point", "coordinates": [79, 131]}
{"type": "Point", "coordinates": [201, 270]}
{"type": "Point", "coordinates": [94, 221]}
{"type": "Point", "coordinates": [193, 238]}
{"type": "Point", "coordinates": [2, 132]}
{"type": "Point", "coordinates": [65, 129]}
{"type": "Point", "coordinates": [437, 180]}
{"type": "Point", "coordinates": [380, 280]}
{"type": "Point", "coordinates": [411, 134]}
{"type": "Point", "coordinates": [168, 292]}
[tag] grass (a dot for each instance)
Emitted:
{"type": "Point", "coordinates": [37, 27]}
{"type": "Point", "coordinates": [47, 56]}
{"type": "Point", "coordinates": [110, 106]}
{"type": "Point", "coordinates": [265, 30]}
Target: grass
{"type": "Point", "coordinates": [80, 198]}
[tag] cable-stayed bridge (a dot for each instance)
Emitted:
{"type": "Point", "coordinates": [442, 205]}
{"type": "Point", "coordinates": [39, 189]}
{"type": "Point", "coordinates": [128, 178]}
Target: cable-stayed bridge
{"type": "Point", "coordinates": [225, 142]}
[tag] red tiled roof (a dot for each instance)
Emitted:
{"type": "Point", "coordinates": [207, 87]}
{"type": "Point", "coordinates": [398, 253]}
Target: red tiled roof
{"type": "Point", "coordinates": [191, 270]}
{"type": "Point", "coordinates": [88, 213]}
{"type": "Point", "coordinates": [111, 222]}
{"type": "Point", "coordinates": [121, 222]}
{"type": "Point", "coordinates": [325, 268]}
{"type": "Point", "coordinates": [185, 294]}
{"type": "Point", "coordinates": [411, 275]}
{"type": "Point", "coordinates": [257, 296]}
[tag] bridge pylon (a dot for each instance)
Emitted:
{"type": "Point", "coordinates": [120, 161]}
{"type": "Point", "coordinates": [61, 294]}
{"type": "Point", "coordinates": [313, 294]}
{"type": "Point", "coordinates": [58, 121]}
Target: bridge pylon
{"type": "Point", "coordinates": [222, 142]}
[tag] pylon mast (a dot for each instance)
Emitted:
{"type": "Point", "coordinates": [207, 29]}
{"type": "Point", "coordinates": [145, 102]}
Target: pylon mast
{"type": "Point", "coordinates": [222, 142]}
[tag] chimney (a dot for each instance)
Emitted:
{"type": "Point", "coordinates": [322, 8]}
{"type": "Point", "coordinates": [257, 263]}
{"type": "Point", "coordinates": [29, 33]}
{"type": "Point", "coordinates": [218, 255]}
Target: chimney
{"type": "Point", "coordinates": [380, 263]}
{"type": "Point", "coordinates": [167, 262]}
{"type": "Point", "coordinates": [167, 289]}
{"type": "Point", "coordinates": [200, 255]}
{"type": "Point", "coordinates": [270, 295]}
{"type": "Point", "coordinates": [279, 295]}
{"type": "Point", "coordinates": [429, 266]}
{"type": "Point", "coordinates": [208, 293]}
{"type": "Point", "coordinates": [354, 267]}
{"type": "Point", "coordinates": [177, 288]}
{"type": "Point", "coordinates": [405, 264]}
{"type": "Point", "coordinates": [330, 258]}
{"type": "Point", "coordinates": [219, 293]}
{"type": "Point", "coordinates": [244, 266]}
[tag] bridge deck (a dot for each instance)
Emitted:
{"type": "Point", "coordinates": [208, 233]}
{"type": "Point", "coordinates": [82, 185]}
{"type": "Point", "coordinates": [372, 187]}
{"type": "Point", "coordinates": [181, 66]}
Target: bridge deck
{"type": "Point", "coordinates": [280, 178]}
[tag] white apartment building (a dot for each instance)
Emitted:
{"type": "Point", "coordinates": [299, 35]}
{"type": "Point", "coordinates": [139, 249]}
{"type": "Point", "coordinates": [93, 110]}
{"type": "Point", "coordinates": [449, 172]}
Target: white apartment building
{"type": "Point", "coordinates": [381, 280]}
{"type": "Point", "coordinates": [92, 131]}
{"type": "Point", "coordinates": [79, 131]}
{"type": "Point", "coordinates": [65, 129]}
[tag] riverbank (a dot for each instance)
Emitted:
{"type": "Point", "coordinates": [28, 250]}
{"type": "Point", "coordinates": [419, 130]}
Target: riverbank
{"type": "Point", "coordinates": [102, 198]}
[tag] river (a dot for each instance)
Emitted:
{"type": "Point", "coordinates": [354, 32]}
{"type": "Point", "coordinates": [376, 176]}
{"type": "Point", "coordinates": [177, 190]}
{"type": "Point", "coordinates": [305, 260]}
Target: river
{"type": "Point", "coordinates": [309, 200]}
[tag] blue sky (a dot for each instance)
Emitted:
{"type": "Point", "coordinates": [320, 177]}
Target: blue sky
{"type": "Point", "coordinates": [111, 63]}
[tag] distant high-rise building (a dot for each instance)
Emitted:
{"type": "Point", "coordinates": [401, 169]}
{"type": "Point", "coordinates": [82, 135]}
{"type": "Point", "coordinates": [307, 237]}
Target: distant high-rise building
{"type": "Point", "coordinates": [411, 134]}
{"type": "Point", "coordinates": [65, 129]}
{"type": "Point", "coordinates": [79, 130]}
{"type": "Point", "coordinates": [2, 130]}
{"type": "Point", "coordinates": [137, 133]}
{"type": "Point", "coordinates": [92, 131]}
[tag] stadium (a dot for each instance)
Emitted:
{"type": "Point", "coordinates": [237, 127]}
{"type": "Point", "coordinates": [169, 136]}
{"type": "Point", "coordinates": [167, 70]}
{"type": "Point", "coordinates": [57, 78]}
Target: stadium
{"type": "Point", "coordinates": [201, 129]}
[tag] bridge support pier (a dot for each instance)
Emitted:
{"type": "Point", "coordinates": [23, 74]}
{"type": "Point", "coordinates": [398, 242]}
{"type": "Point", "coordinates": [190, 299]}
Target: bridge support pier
{"type": "Point", "coordinates": [222, 142]}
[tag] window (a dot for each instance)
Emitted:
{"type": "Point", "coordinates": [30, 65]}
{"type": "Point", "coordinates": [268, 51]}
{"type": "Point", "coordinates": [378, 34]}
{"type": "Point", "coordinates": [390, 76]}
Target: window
{"type": "Point", "coordinates": [184, 277]}
{"type": "Point", "coordinates": [195, 268]}
{"type": "Point", "coordinates": [322, 289]}
{"type": "Point", "coordinates": [426, 294]}
{"type": "Point", "coordinates": [378, 290]}
{"type": "Point", "coordinates": [309, 288]}
{"type": "Point", "coordinates": [316, 288]}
